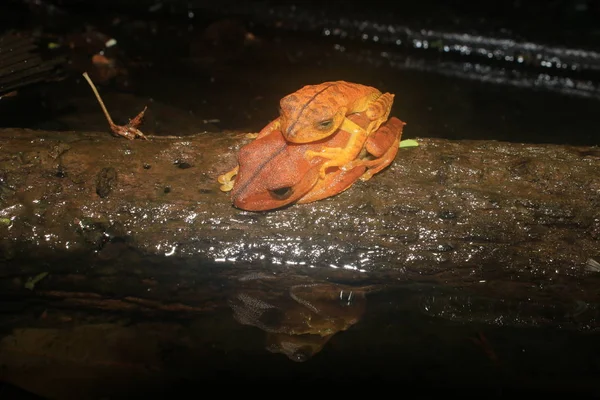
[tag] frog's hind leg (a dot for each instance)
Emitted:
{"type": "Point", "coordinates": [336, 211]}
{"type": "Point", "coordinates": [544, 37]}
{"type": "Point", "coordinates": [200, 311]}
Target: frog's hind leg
{"type": "Point", "coordinates": [377, 164]}
{"type": "Point", "coordinates": [226, 180]}
{"type": "Point", "coordinates": [379, 111]}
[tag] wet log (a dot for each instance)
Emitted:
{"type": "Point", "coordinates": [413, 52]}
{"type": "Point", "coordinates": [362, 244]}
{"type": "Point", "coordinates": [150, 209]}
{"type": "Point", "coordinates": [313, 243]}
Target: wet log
{"type": "Point", "coordinates": [464, 211]}
{"type": "Point", "coordinates": [96, 231]}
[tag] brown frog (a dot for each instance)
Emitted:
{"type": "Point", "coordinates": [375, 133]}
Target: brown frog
{"type": "Point", "coordinates": [273, 172]}
{"type": "Point", "coordinates": [315, 112]}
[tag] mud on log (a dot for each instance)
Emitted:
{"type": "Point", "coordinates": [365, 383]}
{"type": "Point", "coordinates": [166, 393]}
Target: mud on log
{"type": "Point", "coordinates": [462, 211]}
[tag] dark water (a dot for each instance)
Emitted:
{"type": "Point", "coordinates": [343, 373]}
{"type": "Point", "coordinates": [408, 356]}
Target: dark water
{"type": "Point", "coordinates": [149, 331]}
{"type": "Point", "coordinates": [108, 325]}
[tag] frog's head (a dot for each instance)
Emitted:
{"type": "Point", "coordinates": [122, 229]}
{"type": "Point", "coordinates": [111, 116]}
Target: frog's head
{"type": "Point", "coordinates": [308, 120]}
{"type": "Point", "coordinates": [272, 174]}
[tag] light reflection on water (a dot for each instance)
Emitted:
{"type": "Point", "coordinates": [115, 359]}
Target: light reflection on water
{"type": "Point", "coordinates": [259, 322]}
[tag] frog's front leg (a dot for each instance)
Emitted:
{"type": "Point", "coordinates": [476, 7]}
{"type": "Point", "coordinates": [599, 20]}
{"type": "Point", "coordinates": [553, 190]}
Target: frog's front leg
{"type": "Point", "coordinates": [377, 164]}
{"type": "Point", "coordinates": [226, 180]}
{"type": "Point", "coordinates": [328, 153]}
{"type": "Point", "coordinates": [271, 126]}
{"type": "Point", "coordinates": [383, 145]}
{"type": "Point", "coordinates": [338, 156]}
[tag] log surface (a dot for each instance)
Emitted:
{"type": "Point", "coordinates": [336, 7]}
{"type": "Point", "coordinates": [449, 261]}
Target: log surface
{"type": "Point", "coordinates": [470, 208]}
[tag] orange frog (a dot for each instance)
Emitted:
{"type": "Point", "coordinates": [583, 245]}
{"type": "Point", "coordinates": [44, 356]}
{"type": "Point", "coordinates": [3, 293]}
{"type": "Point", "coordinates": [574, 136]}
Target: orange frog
{"type": "Point", "coordinates": [317, 111]}
{"type": "Point", "coordinates": [273, 172]}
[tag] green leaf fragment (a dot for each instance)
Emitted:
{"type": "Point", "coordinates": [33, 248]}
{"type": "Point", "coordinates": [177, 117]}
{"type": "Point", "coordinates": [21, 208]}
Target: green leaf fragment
{"type": "Point", "coordinates": [31, 282]}
{"type": "Point", "coordinates": [4, 221]}
{"type": "Point", "coordinates": [408, 143]}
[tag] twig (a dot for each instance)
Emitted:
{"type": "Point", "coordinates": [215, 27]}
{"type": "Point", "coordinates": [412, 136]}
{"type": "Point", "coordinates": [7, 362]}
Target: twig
{"type": "Point", "coordinates": [129, 131]}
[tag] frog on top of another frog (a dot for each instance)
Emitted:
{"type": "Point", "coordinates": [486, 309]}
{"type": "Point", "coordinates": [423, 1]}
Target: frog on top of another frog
{"type": "Point", "coordinates": [316, 112]}
{"type": "Point", "coordinates": [272, 173]}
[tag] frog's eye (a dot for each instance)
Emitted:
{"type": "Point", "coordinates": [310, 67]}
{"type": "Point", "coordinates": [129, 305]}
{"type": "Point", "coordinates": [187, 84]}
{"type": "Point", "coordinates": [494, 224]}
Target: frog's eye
{"type": "Point", "coordinates": [325, 124]}
{"type": "Point", "coordinates": [281, 193]}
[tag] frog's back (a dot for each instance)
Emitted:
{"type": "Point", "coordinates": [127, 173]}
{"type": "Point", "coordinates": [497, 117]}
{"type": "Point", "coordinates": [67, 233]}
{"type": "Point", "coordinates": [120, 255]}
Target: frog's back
{"type": "Point", "coordinates": [325, 98]}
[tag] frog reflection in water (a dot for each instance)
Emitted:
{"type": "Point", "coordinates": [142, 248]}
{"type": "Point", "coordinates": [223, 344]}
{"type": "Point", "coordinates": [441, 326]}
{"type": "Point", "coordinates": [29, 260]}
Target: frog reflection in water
{"type": "Point", "coordinates": [301, 320]}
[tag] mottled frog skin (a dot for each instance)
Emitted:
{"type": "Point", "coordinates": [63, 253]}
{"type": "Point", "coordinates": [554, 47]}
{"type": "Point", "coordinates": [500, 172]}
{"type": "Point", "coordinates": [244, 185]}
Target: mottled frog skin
{"type": "Point", "coordinates": [273, 173]}
{"type": "Point", "coordinates": [318, 111]}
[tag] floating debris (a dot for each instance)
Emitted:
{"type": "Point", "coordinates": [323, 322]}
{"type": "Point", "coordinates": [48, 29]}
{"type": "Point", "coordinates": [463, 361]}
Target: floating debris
{"type": "Point", "coordinates": [31, 282]}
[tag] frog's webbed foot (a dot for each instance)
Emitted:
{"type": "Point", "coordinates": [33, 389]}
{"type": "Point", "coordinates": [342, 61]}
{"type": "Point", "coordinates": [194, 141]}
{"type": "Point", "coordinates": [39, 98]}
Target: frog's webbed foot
{"type": "Point", "coordinates": [226, 180]}
{"type": "Point", "coordinates": [374, 165]}
{"type": "Point", "coordinates": [336, 156]}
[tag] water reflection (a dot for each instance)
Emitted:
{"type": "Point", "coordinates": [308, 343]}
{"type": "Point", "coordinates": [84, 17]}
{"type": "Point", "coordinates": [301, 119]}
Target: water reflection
{"type": "Point", "coordinates": [115, 328]}
{"type": "Point", "coordinates": [465, 308]}
{"type": "Point", "coordinates": [298, 318]}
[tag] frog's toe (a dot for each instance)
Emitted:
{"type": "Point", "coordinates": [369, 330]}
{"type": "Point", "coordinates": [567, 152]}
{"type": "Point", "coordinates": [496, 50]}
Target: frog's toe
{"type": "Point", "coordinates": [227, 180]}
{"type": "Point", "coordinates": [227, 186]}
{"type": "Point", "coordinates": [366, 176]}
{"type": "Point", "coordinates": [310, 154]}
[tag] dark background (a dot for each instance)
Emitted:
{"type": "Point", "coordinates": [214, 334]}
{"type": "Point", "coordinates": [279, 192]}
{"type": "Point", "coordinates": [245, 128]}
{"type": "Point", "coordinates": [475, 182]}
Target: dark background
{"type": "Point", "coordinates": [524, 71]}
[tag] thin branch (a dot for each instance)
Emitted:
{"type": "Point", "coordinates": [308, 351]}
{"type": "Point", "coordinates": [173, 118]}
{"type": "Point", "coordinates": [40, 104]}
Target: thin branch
{"type": "Point", "coordinates": [106, 114]}
{"type": "Point", "coordinates": [129, 131]}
